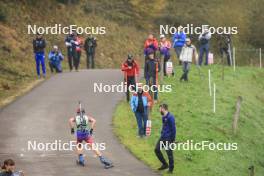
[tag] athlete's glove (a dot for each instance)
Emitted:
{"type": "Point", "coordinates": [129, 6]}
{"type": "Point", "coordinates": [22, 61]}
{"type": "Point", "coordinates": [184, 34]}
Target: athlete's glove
{"type": "Point", "coordinates": [72, 130]}
{"type": "Point", "coordinates": [91, 131]}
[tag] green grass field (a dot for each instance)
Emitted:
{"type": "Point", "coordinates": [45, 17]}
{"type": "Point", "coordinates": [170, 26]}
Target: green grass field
{"type": "Point", "coordinates": [191, 104]}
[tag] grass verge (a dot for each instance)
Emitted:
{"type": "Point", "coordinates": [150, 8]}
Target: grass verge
{"type": "Point", "coordinates": [192, 106]}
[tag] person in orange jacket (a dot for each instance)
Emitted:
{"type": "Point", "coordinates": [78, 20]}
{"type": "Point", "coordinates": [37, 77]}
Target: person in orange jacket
{"type": "Point", "coordinates": [151, 45]}
{"type": "Point", "coordinates": [131, 71]}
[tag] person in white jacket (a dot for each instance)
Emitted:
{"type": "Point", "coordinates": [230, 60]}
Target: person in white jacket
{"type": "Point", "coordinates": [187, 54]}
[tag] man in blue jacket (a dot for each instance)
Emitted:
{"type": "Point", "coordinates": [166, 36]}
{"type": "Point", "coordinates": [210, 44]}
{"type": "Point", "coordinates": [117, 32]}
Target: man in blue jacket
{"type": "Point", "coordinates": [168, 134]}
{"type": "Point", "coordinates": [55, 58]}
{"type": "Point", "coordinates": [178, 41]}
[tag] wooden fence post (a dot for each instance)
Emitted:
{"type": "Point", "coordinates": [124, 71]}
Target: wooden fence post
{"type": "Point", "coordinates": [251, 170]}
{"type": "Point", "coordinates": [236, 115]}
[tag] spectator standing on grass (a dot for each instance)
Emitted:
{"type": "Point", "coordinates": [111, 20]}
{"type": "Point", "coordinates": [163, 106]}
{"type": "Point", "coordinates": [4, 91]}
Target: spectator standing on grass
{"type": "Point", "coordinates": [55, 58]}
{"type": "Point", "coordinates": [178, 41]}
{"type": "Point", "coordinates": [187, 55]}
{"type": "Point", "coordinates": [90, 46]}
{"type": "Point", "coordinates": [204, 39]}
{"type": "Point", "coordinates": [224, 42]}
{"type": "Point", "coordinates": [131, 71]}
{"type": "Point", "coordinates": [168, 135]}
{"type": "Point", "coordinates": [152, 67]}
{"type": "Point", "coordinates": [39, 45]}
{"type": "Point", "coordinates": [140, 104]}
{"type": "Point", "coordinates": [150, 45]}
{"type": "Point", "coordinates": [164, 48]}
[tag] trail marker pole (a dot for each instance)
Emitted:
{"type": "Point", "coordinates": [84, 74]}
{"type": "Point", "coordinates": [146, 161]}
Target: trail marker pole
{"type": "Point", "coordinates": [209, 82]}
{"type": "Point", "coordinates": [260, 59]}
{"type": "Point", "coordinates": [162, 68]}
{"type": "Point", "coordinates": [214, 99]}
{"type": "Point", "coordinates": [234, 58]}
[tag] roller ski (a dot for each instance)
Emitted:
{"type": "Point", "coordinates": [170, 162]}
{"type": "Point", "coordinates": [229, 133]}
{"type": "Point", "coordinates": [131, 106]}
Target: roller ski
{"type": "Point", "coordinates": [107, 164]}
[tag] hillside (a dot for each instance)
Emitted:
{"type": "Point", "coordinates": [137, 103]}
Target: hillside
{"type": "Point", "coordinates": [127, 24]}
{"type": "Point", "coordinates": [195, 120]}
{"type": "Point", "coordinates": [17, 65]}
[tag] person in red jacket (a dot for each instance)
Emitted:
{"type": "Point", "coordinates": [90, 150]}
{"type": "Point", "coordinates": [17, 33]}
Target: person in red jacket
{"type": "Point", "coordinates": [131, 70]}
{"type": "Point", "coordinates": [151, 45]}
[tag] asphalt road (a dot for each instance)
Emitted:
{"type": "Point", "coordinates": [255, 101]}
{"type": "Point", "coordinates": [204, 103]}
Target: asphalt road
{"type": "Point", "coordinates": [42, 116]}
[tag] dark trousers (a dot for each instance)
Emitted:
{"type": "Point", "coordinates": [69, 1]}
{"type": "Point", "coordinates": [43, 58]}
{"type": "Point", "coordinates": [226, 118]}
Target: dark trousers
{"type": "Point", "coordinates": [150, 82]}
{"type": "Point", "coordinates": [160, 156]}
{"type": "Point", "coordinates": [54, 67]}
{"type": "Point", "coordinates": [70, 57]}
{"type": "Point", "coordinates": [227, 53]}
{"type": "Point", "coordinates": [142, 118]}
{"type": "Point", "coordinates": [178, 50]}
{"type": "Point", "coordinates": [185, 68]}
{"type": "Point", "coordinates": [130, 80]}
{"type": "Point", "coordinates": [89, 60]}
{"type": "Point", "coordinates": [204, 49]}
{"type": "Point", "coordinates": [76, 60]}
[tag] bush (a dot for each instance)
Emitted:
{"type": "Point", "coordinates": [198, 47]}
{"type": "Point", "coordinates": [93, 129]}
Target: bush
{"type": "Point", "coordinates": [2, 14]}
{"type": "Point", "coordinates": [68, 1]}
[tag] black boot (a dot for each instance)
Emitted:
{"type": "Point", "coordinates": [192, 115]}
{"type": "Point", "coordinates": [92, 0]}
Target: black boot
{"type": "Point", "coordinates": [163, 167]}
{"type": "Point", "coordinates": [182, 77]}
{"type": "Point", "coordinates": [170, 171]}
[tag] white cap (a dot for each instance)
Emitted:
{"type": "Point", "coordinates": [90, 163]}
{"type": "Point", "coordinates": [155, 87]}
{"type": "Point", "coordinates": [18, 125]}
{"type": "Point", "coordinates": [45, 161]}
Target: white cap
{"type": "Point", "coordinates": [162, 36]}
{"type": "Point", "coordinates": [187, 40]}
{"type": "Point", "coordinates": [55, 47]}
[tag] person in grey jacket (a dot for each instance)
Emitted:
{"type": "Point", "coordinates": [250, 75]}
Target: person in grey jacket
{"type": "Point", "coordinates": [204, 39]}
{"type": "Point", "coordinates": [187, 54]}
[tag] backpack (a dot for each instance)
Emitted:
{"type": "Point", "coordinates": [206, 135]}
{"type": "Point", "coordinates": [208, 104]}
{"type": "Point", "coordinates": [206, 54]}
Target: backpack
{"type": "Point", "coordinates": [169, 67]}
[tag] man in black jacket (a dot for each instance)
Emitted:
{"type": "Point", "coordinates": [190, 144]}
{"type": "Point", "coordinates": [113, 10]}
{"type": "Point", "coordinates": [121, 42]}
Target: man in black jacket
{"type": "Point", "coordinates": [152, 67]}
{"type": "Point", "coordinates": [69, 42]}
{"type": "Point", "coordinates": [90, 45]}
{"type": "Point", "coordinates": [39, 45]}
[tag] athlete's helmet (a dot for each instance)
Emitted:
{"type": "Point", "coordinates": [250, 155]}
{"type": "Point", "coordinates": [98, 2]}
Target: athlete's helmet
{"type": "Point", "coordinates": [80, 110]}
